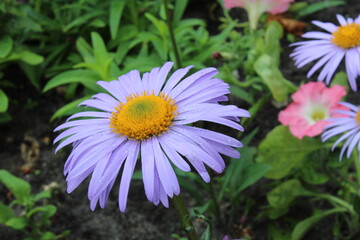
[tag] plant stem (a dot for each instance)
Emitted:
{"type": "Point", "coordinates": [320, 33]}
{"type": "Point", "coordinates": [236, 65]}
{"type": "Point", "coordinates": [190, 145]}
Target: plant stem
{"type": "Point", "coordinates": [253, 111]}
{"type": "Point", "coordinates": [134, 14]}
{"type": "Point", "coordinates": [216, 204]}
{"type": "Point", "coordinates": [172, 36]}
{"type": "Point", "coordinates": [357, 166]}
{"type": "Point", "coordinates": [185, 218]}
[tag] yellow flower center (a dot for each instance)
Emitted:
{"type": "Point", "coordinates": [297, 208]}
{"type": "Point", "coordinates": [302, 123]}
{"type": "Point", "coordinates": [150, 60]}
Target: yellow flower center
{"type": "Point", "coordinates": [318, 115]}
{"type": "Point", "coordinates": [143, 116]}
{"type": "Point", "coordinates": [357, 117]}
{"type": "Point", "coordinates": [347, 36]}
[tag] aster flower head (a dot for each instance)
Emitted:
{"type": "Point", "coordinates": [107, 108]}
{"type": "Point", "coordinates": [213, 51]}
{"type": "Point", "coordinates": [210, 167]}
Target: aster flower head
{"type": "Point", "coordinates": [149, 117]}
{"type": "Point", "coordinates": [348, 126]}
{"type": "Point", "coordinates": [312, 104]}
{"type": "Point", "coordinates": [329, 49]}
{"type": "Point", "coordinates": [255, 8]}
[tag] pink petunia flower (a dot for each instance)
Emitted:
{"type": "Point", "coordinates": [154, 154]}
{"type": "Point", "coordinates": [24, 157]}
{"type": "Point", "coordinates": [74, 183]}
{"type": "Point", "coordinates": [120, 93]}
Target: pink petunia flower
{"type": "Point", "coordinates": [313, 104]}
{"type": "Point", "coordinates": [255, 8]}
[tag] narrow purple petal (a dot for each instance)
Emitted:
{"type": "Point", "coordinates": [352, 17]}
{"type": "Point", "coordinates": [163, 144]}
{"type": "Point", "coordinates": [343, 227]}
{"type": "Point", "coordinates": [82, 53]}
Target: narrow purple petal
{"type": "Point", "coordinates": [114, 89]}
{"type": "Point", "coordinates": [116, 160]}
{"type": "Point", "coordinates": [82, 122]}
{"type": "Point", "coordinates": [148, 168]}
{"type": "Point", "coordinates": [90, 114]}
{"type": "Point", "coordinates": [98, 105]}
{"type": "Point", "coordinates": [173, 156]}
{"type": "Point", "coordinates": [166, 173]}
{"type": "Point", "coordinates": [175, 78]}
{"type": "Point", "coordinates": [341, 19]}
{"type": "Point", "coordinates": [352, 144]}
{"type": "Point", "coordinates": [158, 82]}
{"type": "Point", "coordinates": [79, 136]}
{"type": "Point", "coordinates": [206, 73]}
{"type": "Point", "coordinates": [317, 35]}
{"type": "Point", "coordinates": [330, 27]}
{"type": "Point", "coordinates": [343, 137]}
{"type": "Point", "coordinates": [136, 82]}
{"type": "Point", "coordinates": [127, 174]}
{"type": "Point", "coordinates": [105, 194]}
{"type": "Point", "coordinates": [217, 137]}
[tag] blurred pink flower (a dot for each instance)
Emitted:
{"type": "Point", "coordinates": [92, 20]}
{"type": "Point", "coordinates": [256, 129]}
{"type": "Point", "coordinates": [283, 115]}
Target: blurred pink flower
{"type": "Point", "coordinates": [255, 8]}
{"type": "Point", "coordinates": [313, 104]}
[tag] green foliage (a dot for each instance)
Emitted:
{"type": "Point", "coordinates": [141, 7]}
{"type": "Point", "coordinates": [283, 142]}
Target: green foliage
{"type": "Point", "coordinates": [241, 173]}
{"type": "Point", "coordinates": [283, 152]}
{"type": "Point", "coordinates": [305, 225]}
{"type": "Point", "coordinates": [304, 9]}
{"type": "Point", "coordinates": [4, 101]}
{"type": "Point", "coordinates": [33, 218]}
{"type": "Point", "coordinates": [279, 87]}
{"type": "Point", "coordinates": [283, 195]}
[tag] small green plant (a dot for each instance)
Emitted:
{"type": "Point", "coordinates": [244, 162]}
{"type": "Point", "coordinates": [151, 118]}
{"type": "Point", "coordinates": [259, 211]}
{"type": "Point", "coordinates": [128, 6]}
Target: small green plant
{"type": "Point", "coordinates": [28, 213]}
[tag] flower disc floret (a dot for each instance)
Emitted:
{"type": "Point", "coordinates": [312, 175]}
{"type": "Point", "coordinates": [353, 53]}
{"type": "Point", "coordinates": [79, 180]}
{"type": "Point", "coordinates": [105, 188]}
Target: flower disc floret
{"type": "Point", "coordinates": [347, 36]}
{"type": "Point", "coordinates": [143, 116]}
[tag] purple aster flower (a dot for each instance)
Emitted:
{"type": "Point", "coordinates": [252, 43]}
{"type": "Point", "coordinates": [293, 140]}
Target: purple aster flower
{"type": "Point", "coordinates": [149, 117]}
{"type": "Point", "coordinates": [330, 48]}
{"type": "Point", "coordinates": [349, 125]}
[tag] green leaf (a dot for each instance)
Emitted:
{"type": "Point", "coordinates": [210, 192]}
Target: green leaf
{"type": "Point", "coordinates": [48, 236]}
{"type": "Point", "coordinates": [83, 19]}
{"type": "Point", "coordinates": [272, 47]}
{"type": "Point", "coordinates": [279, 87]}
{"type": "Point", "coordinates": [47, 211]}
{"type": "Point", "coordinates": [179, 10]}
{"type": "Point", "coordinates": [69, 108]}
{"type": "Point", "coordinates": [42, 195]}
{"type": "Point", "coordinates": [159, 24]}
{"type": "Point", "coordinates": [86, 77]}
{"type": "Point", "coordinates": [285, 193]}
{"type": "Point", "coordinates": [20, 188]}
{"type": "Point", "coordinates": [99, 23]}
{"type": "Point", "coordinates": [308, 170]}
{"type": "Point", "coordinates": [116, 10]}
{"type": "Point", "coordinates": [4, 101]}
{"type": "Point", "coordinates": [340, 78]}
{"type": "Point", "coordinates": [32, 73]}
{"type": "Point", "coordinates": [6, 45]}
{"type": "Point", "coordinates": [5, 117]}
{"type": "Point", "coordinates": [356, 204]}
{"type": "Point", "coordinates": [305, 225]}
{"type": "Point", "coordinates": [5, 213]}
{"type": "Point", "coordinates": [248, 172]}
{"type": "Point", "coordinates": [283, 152]}
{"type": "Point", "coordinates": [277, 233]}
{"type": "Point", "coordinates": [85, 50]}
{"type": "Point", "coordinates": [242, 94]}
{"type": "Point", "coordinates": [31, 58]}
{"type": "Point", "coordinates": [17, 223]}
{"type": "Point", "coordinates": [100, 52]}
{"type": "Point", "coordinates": [207, 234]}
{"type": "Point", "coordinates": [315, 7]}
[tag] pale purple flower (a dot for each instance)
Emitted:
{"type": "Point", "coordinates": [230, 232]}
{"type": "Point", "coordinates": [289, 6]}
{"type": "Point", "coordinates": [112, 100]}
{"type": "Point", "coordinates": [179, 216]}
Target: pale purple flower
{"type": "Point", "coordinates": [329, 49]}
{"type": "Point", "coordinates": [349, 126]}
{"type": "Point", "coordinates": [226, 237]}
{"type": "Point", "coordinates": [149, 117]}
